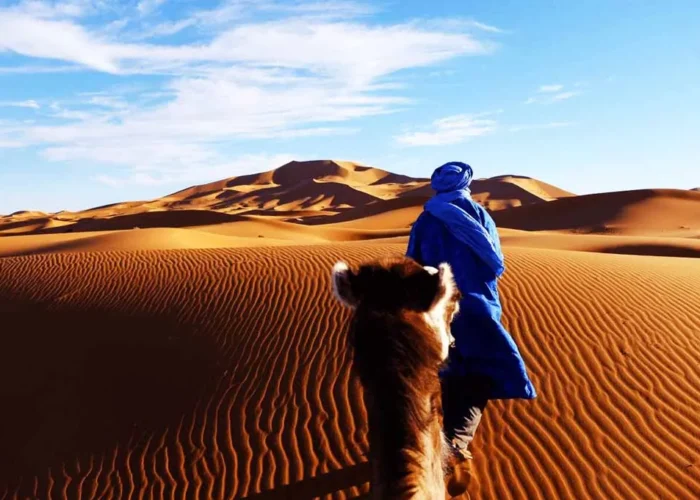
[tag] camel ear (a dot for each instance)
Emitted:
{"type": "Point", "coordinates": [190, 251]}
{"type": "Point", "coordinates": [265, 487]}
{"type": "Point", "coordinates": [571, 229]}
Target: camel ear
{"type": "Point", "coordinates": [342, 286]}
{"type": "Point", "coordinates": [431, 270]}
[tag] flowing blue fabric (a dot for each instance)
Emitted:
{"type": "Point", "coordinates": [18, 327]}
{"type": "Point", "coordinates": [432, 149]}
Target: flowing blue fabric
{"type": "Point", "coordinates": [451, 182]}
{"type": "Point", "coordinates": [441, 234]}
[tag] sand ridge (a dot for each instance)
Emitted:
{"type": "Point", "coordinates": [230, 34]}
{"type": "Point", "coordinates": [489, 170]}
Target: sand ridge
{"type": "Point", "coordinates": [222, 373]}
{"type": "Point", "coordinates": [306, 192]}
{"type": "Point", "coordinates": [649, 212]}
{"type": "Point", "coordinates": [189, 346]}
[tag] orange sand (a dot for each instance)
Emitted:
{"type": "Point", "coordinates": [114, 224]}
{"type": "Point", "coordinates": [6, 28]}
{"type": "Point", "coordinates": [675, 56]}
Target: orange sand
{"type": "Point", "coordinates": [202, 355]}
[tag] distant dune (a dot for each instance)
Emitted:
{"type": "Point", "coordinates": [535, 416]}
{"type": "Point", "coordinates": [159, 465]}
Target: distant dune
{"type": "Point", "coordinates": [135, 239]}
{"type": "Point", "coordinates": [27, 214]}
{"type": "Point", "coordinates": [313, 193]}
{"type": "Point", "coordinates": [645, 212]}
{"type": "Point", "coordinates": [189, 346]}
{"type": "Point", "coordinates": [626, 245]}
{"type": "Point", "coordinates": [508, 191]}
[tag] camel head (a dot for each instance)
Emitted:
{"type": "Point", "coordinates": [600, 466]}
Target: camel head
{"type": "Point", "coordinates": [400, 285]}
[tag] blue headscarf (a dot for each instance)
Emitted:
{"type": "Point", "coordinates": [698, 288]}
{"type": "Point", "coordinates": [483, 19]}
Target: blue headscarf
{"type": "Point", "coordinates": [452, 176]}
{"type": "Point", "coordinates": [451, 182]}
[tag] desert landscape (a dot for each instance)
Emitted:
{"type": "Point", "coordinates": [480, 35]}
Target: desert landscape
{"type": "Point", "coordinates": [189, 346]}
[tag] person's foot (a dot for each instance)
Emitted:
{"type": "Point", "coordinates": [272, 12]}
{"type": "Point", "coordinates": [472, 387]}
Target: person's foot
{"type": "Point", "coordinates": [460, 473]}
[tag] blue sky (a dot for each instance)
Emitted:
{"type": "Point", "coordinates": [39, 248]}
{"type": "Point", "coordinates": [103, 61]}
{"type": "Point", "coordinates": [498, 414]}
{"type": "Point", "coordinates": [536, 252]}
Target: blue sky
{"type": "Point", "coordinates": [105, 100]}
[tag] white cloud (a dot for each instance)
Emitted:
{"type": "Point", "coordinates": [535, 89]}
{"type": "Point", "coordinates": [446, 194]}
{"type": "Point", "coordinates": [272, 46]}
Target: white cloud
{"type": "Point", "coordinates": [56, 9]}
{"type": "Point", "coordinates": [20, 104]}
{"type": "Point", "coordinates": [539, 126]}
{"type": "Point", "coordinates": [456, 24]}
{"type": "Point", "coordinates": [487, 27]}
{"type": "Point", "coordinates": [450, 130]}
{"type": "Point", "coordinates": [550, 88]}
{"type": "Point", "coordinates": [145, 7]}
{"type": "Point", "coordinates": [33, 69]}
{"type": "Point", "coordinates": [552, 93]}
{"type": "Point", "coordinates": [108, 101]}
{"type": "Point", "coordinates": [231, 10]}
{"type": "Point", "coordinates": [8, 144]}
{"type": "Point", "coordinates": [303, 72]}
{"type": "Point", "coordinates": [562, 96]}
{"type": "Point", "coordinates": [58, 40]}
{"type": "Point", "coordinates": [327, 9]}
{"type": "Point", "coordinates": [163, 29]}
{"type": "Point", "coordinates": [351, 50]}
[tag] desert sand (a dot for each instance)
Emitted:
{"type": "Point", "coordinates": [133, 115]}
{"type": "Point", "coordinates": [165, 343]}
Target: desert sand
{"type": "Point", "coordinates": [190, 347]}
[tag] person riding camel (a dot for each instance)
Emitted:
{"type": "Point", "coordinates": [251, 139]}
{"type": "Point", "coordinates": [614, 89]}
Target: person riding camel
{"type": "Point", "coordinates": [484, 362]}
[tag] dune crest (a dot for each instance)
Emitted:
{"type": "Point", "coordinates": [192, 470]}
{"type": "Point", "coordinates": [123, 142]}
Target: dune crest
{"type": "Point", "coordinates": [649, 212]}
{"type": "Point", "coordinates": [309, 192]}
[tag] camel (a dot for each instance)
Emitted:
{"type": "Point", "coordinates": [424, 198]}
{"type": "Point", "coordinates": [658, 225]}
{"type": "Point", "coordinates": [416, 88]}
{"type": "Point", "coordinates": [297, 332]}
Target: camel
{"type": "Point", "coordinates": [400, 338]}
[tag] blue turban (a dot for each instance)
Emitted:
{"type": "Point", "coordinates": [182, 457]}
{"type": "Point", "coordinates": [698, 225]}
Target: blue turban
{"type": "Point", "coordinates": [452, 176]}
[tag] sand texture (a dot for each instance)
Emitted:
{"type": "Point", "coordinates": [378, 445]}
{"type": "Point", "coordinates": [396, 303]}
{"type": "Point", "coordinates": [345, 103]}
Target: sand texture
{"type": "Point", "coordinates": [202, 355]}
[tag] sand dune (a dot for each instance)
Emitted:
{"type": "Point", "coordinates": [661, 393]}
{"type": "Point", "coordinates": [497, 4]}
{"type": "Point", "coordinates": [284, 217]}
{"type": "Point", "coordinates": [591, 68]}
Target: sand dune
{"type": "Point", "coordinates": [303, 195]}
{"type": "Point", "coordinates": [189, 347]}
{"type": "Point", "coordinates": [543, 190]}
{"type": "Point", "coordinates": [508, 191]}
{"type": "Point", "coordinates": [130, 240]}
{"type": "Point", "coordinates": [223, 374]}
{"type": "Point", "coordinates": [626, 245]}
{"type": "Point", "coordinates": [296, 185]}
{"type": "Point", "coordinates": [256, 231]}
{"type": "Point", "coordinates": [650, 212]}
{"type": "Point", "coordinates": [504, 191]}
{"type": "Point", "coordinates": [265, 227]}
{"type": "Point", "coordinates": [393, 212]}
{"type": "Point", "coordinates": [311, 192]}
{"type": "Point", "coordinates": [30, 224]}
{"type": "Point", "coordinates": [248, 231]}
{"type": "Point", "coordinates": [26, 214]}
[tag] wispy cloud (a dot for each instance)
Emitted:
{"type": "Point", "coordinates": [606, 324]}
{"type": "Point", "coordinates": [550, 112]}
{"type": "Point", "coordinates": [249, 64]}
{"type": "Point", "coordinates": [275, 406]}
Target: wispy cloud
{"type": "Point", "coordinates": [327, 8]}
{"type": "Point", "coordinates": [550, 88]}
{"type": "Point", "coordinates": [357, 50]}
{"type": "Point", "coordinates": [35, 69]}
{"type": "Point", "coordinates": [449, 130]}
{"type": "Point", "coordinates": [20, 104]}
{"type": "Point", "coordinates": [54, 9]}
{"type": "Point", "coordinates": [459, 24]}
{"type": "Point", "coordinates": [54, 39]}
{"type": "Point", "coordinates": [304, 70]}
{"type": "Point", "coordinates": [162, 30]}
{"type": "Point", "coordinates": [539, 126]}
{"type": "Point", "coordinates": [145, 7]}
{"type": "Point", "coordinates": [551, 93]}
{"type": "Point", "coordinates": [487, 27]}
{"type": "Point", "coordinates": [563, 96]}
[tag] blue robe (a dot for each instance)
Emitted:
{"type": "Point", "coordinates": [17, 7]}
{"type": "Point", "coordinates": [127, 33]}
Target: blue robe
{"type": "Point", "coordinates": [483, 346]}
